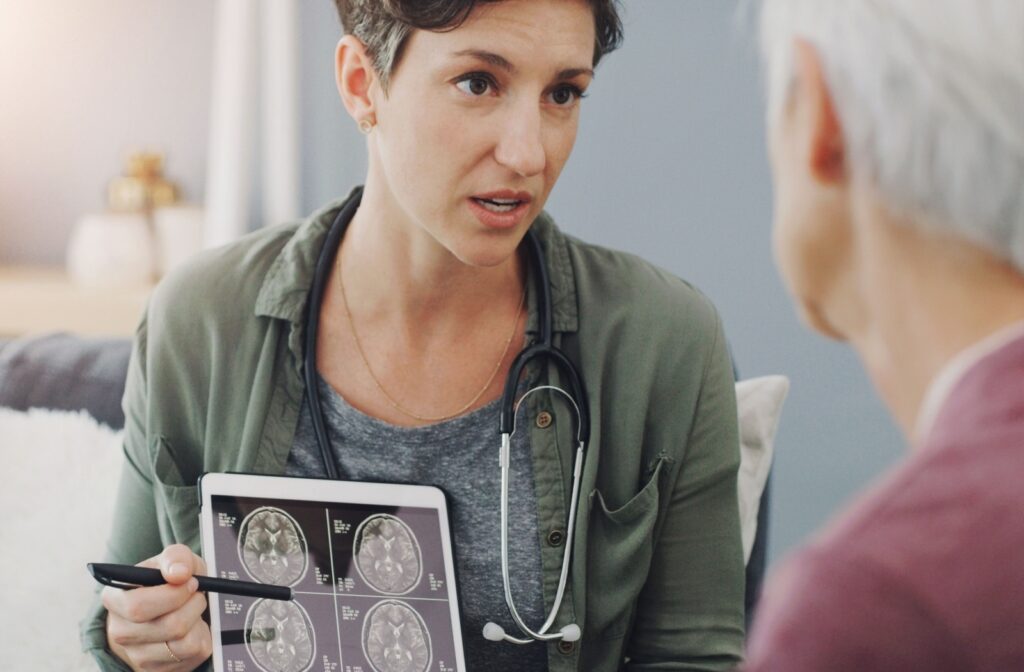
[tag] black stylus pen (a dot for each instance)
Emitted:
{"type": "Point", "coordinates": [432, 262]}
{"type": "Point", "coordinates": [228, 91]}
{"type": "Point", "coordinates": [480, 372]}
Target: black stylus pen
{"type": "Point", "coordinates": [129, 576]}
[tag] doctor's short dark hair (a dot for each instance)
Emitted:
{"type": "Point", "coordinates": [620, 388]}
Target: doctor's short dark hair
{"type": "Point", "coordinates": [383, 26]}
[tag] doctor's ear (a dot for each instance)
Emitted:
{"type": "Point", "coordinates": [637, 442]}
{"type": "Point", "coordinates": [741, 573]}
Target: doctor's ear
{"type": "Point", "coordinates": [820, 134]}
{"type": "Point", "coordinates": [355, 77]}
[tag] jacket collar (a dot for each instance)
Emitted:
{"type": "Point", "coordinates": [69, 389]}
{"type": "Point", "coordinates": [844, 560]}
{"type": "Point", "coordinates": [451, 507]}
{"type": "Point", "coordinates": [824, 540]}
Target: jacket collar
{"type": "Point", "coordinates": [285, 289]}
{"type": "Point", "coordinates": [286, 286]}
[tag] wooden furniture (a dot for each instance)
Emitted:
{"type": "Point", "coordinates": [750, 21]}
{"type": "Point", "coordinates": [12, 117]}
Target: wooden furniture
{"type": "Point", "coordinates": [38, 299]}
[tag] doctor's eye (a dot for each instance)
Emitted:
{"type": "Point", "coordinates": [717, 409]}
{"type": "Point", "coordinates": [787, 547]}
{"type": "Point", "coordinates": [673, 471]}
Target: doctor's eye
{"type": "Point", "coordinates": [476, 84]}
{"type": "Point", "coordinates": [566, 95]}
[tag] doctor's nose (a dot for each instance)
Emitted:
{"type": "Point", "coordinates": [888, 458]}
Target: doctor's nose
{"type": "Point", "coordinates": [520, 147]}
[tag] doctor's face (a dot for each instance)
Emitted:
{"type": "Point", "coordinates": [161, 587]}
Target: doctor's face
{"type": "Point", "coordinates": [477, 122]}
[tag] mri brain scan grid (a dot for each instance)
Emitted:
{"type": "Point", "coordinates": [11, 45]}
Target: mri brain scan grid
{"type": "Point", "coordinates": [369, 587]}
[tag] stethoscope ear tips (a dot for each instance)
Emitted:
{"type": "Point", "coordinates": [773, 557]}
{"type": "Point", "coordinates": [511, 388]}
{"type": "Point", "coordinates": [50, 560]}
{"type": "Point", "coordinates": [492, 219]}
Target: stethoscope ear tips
{"type": "Point", "coordinates": [494, 632]}
{"type": "Point", "coordinates": [570, 633]}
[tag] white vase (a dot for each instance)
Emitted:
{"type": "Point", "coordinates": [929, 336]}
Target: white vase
{"type": "Point", "coordinates": [112, 249]}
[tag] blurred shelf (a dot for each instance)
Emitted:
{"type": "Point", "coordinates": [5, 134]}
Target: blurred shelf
{"type": "Point", "coordinates": [38, 299]}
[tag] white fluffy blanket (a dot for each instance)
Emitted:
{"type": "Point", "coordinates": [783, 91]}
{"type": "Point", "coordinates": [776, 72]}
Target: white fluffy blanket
{"type": "Point", "coordinates": [57, 501]}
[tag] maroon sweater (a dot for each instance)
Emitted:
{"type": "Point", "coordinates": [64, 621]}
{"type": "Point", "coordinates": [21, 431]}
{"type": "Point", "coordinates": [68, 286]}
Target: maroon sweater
{"type": "Point", "coordinates": [926, 571]}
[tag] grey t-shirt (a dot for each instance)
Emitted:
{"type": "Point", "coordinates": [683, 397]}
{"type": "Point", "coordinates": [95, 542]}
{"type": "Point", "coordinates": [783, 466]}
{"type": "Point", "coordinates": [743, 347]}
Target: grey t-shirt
{"type": "Point", "coordinates": [460, 456]}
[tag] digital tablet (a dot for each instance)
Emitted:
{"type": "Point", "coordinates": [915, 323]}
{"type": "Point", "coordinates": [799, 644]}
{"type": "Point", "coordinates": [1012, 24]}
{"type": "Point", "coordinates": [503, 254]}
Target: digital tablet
{"type": "Point", "coordinates": [370, 565]}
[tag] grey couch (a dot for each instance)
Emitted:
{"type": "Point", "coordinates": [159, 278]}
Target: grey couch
{"type": "Point", "coordinates": [65, 372]}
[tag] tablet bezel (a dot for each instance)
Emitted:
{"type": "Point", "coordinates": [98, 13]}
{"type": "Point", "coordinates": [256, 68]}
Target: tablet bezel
{"type": "Point", "coordinates": [323, 490]}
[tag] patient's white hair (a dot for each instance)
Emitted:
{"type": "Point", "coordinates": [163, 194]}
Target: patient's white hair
{"type": "Point", "coordinates": [930, 94]}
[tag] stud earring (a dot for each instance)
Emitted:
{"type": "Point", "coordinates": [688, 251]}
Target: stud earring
{"type": "Point", "coordinates": [365, 126]}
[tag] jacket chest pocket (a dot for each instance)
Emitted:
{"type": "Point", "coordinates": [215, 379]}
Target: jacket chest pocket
{"type": "Point", "coordinates": [620, 547]}
{"type": "Point", "coordinates": [177, 502]}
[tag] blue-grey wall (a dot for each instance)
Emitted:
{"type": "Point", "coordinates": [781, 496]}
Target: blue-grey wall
{"type": "Point", "coordinates": [670, 164]}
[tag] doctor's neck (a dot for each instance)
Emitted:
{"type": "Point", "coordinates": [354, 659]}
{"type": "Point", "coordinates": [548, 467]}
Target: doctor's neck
{"type": "Point", "coordinates": [395, 264]}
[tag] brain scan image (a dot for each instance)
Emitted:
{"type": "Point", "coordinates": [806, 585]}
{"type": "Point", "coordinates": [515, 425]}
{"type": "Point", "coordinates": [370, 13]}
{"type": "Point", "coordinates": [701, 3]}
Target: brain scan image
{"type": "Point", "coordinates": [272, 547]}
{"type": "Point", "coordinates": [395, 638]}
{"type": "Point", "coordinates": [279, 636]}
{"type": "Point", "coordinates": [387, 555]}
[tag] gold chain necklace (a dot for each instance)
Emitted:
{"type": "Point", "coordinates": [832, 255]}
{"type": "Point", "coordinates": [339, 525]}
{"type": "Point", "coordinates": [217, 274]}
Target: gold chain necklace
{"type": "Point", "coordinates": [391, 400]}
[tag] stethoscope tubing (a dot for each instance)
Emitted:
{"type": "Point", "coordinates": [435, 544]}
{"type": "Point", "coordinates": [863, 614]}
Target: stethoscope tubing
{"type": "Point", "coordinates": [321, 274]}
{"type": "Point", "coordinates": [545, 348]}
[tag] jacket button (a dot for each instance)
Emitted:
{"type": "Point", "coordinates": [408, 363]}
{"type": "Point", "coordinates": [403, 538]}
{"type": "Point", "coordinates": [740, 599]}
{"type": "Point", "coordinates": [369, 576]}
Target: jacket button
{"type": "Point", "coordinates": [544, 419]}
{"type": "Point", "coordinates": [566, 647]}
{"type": "Point", "coordinates": [556, 537]}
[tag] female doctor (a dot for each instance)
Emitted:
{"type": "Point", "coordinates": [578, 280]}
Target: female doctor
{"type": "Point", "coordinates": [470, 110]}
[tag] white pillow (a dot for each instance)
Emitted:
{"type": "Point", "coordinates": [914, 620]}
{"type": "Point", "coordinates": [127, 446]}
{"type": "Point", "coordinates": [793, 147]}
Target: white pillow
{"type": "Point", "coordinates": [759, 402]}
{"type": "Point", "coordinates": [58, 501]}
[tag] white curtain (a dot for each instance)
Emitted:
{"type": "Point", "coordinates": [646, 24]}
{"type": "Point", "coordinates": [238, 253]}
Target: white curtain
{"type": "Point", "coordinates": [255, 76]}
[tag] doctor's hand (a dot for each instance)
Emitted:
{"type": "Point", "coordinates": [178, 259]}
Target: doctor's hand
{"type": "Point", "coordinates": [161, 627]}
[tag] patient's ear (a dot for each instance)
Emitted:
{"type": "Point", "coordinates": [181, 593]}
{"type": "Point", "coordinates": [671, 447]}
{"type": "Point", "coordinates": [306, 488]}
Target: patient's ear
{"type": "Point", "coordinates": [822, 135]}
{"type": "Point", "coordinates": [355, 76]}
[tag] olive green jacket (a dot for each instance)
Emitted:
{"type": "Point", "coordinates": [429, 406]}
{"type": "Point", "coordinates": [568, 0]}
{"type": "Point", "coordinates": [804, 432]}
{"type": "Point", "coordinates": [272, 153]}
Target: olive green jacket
{"type": "Point", "coordinates": [215, 384]}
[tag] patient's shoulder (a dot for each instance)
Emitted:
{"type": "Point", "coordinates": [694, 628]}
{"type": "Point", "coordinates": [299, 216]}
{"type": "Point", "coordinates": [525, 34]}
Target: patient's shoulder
{"type": "Point", "coordinates": [923, 554]}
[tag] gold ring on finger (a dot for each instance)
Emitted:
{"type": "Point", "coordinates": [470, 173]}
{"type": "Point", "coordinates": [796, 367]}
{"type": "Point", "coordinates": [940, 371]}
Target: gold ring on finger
{"type": "Point", "coordinates": [171, 653]}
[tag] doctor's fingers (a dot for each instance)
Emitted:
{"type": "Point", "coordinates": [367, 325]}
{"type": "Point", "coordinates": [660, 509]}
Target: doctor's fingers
{"type": "Point", "coordinates": [177, 563]}
{"type": "Point", "coordinates": [191, 650]}
{"type": "Point", "coordinates": [169, 627]}
{"type": "Point", "coordinates": [141, 605]}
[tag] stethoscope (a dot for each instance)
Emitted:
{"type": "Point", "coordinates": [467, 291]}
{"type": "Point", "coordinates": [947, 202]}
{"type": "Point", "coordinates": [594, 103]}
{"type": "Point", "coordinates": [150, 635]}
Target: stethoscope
{"type": "Point", "coordinates": [543, 349]}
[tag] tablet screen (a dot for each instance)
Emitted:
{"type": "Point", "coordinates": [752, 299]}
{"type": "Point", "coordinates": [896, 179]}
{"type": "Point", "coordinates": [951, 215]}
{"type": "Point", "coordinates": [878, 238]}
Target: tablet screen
{"type": "Point", "coordinates": [369, 585]}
